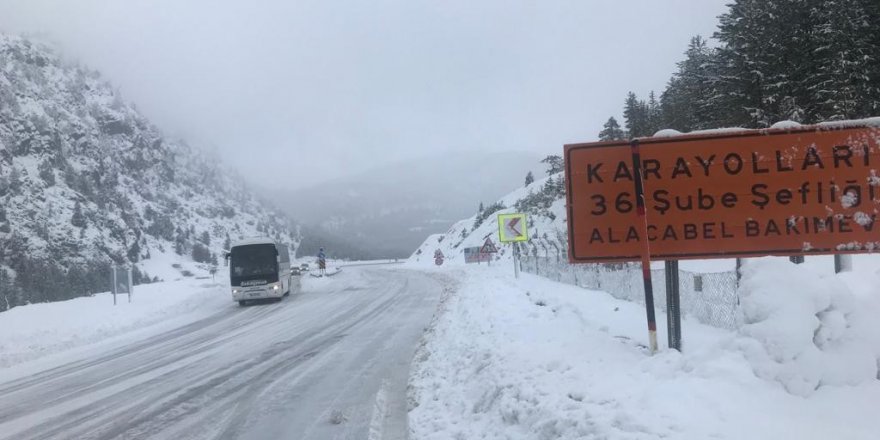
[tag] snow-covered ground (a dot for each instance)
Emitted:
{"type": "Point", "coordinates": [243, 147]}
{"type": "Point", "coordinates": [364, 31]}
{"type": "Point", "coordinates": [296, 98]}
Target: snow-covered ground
{"type": "Point", "coordinates": [531, 358]}
{"type": "Point", "coordinates": [38, 330]}
{"type": "Point", "coordinates": [503, 358]}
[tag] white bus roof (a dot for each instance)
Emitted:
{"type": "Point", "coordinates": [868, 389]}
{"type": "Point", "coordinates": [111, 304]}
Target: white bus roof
{"type": "Point", "coordinates": [257, 240]}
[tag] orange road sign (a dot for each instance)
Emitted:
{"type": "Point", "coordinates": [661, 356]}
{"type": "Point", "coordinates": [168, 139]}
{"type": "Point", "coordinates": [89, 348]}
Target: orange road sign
{"type": "Point", "coordinates": [813, 189]}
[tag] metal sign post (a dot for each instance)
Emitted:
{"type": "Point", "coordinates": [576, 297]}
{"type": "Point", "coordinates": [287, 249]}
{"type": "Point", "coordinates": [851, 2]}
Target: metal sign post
{"type": "Point", "coordinates": [513, 228]}
{"type": "Point", "coordinates": [120, 277]}
{"type": "Point", "coordinates": [113, 283]}
{"type": "Point", "coordinates": [842, 263]}
{"type": "Point", "coordinates": [516, 260]}
{"type": "Point", "coordinates": [673, 305]}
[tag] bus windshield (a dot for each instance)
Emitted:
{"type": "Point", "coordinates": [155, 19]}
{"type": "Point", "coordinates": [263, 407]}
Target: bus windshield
{"type": "Point", "coordinates": [254, 260]}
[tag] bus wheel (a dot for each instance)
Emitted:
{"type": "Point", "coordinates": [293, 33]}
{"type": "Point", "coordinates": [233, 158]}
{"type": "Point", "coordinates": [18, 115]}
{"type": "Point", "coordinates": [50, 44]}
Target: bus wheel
{"type": "Point", "coordinates": [242, 303]}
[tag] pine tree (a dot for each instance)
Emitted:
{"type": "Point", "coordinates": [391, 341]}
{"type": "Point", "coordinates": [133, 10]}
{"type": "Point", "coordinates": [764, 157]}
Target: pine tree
{"type": "Point", "coordinates": [5, 291]}
{"type": "Point", "coordinates": [844, 83]}
{"type": "Point", "coordinates": [134, 252]}
{"type": "Point", "coordinates": [686, 104]}
{"type": "Point", "coordinates": [611, 131]}
{"type": "Point", "coordinates": [554, 164]}
{"type": "Point", "coordinates": [180, 242]}
{"type": "Point", "coordinates": [529, 178]}
{"type": "Point", "coordinates": [763, 61]}
{"type": "Point", "coordinates": [206, 238]}
{"type": "Point", "coordinates": [654, 119]}
{"type": "Point", "coordinates": [47, 172]}
{"type": "Point", "coordinates": [78, 219]}
{"type": "Point", "coordinates": [14, 179]}
{"type": "Point", "coordinates": [200, 253]}
{"type": "Point", "coordinates": [740, 90]}
{"type": "Point", "coordinates": [636, 114]}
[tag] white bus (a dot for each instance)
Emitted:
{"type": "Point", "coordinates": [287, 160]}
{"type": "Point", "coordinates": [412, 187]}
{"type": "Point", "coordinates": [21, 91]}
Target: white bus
{"type": "Point", "coordinates": [259, 268]}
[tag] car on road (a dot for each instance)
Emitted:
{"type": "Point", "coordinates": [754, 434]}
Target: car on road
{"type": "Point", "coordinates": [304, 267]}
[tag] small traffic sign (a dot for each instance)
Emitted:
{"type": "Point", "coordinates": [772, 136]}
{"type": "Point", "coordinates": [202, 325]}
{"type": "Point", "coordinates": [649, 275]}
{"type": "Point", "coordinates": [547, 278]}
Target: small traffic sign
{"type": "Point", "coordinates": [488, 247]}
{"type": "Point", "coordinates": [438, 257]}
{"type": "Point", "coordinates": [512, 228]}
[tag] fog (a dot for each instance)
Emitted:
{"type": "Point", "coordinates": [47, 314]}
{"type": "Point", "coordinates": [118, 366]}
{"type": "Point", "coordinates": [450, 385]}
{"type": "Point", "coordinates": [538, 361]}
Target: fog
{"type": "Point", "coordinates": [296, 93]}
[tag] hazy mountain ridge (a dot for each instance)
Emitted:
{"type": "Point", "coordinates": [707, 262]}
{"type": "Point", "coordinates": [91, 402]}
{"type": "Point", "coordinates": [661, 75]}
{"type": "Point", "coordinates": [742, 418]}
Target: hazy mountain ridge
{"type": "Point", "coordinates": [86, 181]}
{"type": "Point", "coordinates": [388, 211]}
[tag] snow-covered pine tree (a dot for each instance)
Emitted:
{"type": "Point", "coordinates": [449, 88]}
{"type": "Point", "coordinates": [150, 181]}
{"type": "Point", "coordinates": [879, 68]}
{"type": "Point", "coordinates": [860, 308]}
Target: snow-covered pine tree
{"type": "Point", "coordinates": [686, 102]}
{"type": "Point", "coordinates": [654, 117]}
{"type": "Point", "coordinates": [611, 131]}
{"type": "Point", "coordinates": [635, 116]}
{"type": "Point", "coordinates": [529, 178]}
{"type": "Point", "coordinates": [554, 164]}
{"type": "Point", "coordinates": [845, 83]}
{"type": "Point", "coordinates": [740, 90]}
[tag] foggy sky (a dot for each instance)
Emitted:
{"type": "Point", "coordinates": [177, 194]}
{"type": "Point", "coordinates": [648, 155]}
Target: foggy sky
{"type": "Point", "coordinates": [296, 92]}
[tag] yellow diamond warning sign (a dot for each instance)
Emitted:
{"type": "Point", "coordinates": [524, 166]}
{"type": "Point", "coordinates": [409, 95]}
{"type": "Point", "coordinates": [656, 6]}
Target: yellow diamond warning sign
{"type": "Point", "coordinates": [512, 228]}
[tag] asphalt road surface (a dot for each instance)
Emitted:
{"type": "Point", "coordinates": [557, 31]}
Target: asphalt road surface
{"type": "Point", "coordinates": [328, 363]}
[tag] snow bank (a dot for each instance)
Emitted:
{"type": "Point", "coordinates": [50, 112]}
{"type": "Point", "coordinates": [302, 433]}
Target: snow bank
{"type": "Point", "coordinates": [535, 359]}
{"type": "Point", "coordinates": [811, 331]}
{"type": "Point", "coordinates": [37, 330]}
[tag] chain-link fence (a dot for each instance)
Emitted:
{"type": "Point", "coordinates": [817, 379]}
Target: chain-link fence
{"type": "Point", "coordinates": [711, 298]}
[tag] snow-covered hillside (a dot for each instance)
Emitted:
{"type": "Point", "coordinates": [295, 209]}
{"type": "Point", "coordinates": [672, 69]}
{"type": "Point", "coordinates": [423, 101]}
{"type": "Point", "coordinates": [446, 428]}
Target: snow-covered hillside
{"type": "Point", "coordinates": [544, 202]}
{"type": "Point", "coordinates": [86, 181]}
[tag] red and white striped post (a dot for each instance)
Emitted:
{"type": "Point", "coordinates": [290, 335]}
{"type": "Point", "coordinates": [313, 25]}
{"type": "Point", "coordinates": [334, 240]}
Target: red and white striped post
{"type": "Point", "coordinates": [646, 247]}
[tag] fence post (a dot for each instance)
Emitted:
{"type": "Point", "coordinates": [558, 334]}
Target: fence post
{"type": "Point", "coordinates": [673, 305]}
{"type": "Point", "coordinates": [842, 263]}
{"type": "Point", "coordinates": [739, 263]}
{"type": "Point", "coordinates": [113, 280]}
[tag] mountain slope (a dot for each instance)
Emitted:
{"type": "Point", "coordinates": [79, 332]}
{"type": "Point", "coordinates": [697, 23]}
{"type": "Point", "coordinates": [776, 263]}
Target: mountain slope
{"type": "Point", "coordinates": [86, 181]}
{"type": "Point", "coordinates": [544, 203]}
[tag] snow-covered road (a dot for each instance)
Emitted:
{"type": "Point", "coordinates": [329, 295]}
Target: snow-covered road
{"type": "Point", "coordinates": [330, 362]}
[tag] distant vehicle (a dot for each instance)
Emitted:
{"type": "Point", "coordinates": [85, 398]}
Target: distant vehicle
{"type": "Point", "coordinates": [258, 269]}
{"type": "Point", "coordinates": [295, 271]}
{"type": "Point", "coordinates": [304, 267]}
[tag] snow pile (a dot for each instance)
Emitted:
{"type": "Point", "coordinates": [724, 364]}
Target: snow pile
{"type": "Point", "coordinates": [37, 330]}
{"type": "Point", "coordinates": [531, 358]}
{"type": "Point", "coordinates": [809, 331]}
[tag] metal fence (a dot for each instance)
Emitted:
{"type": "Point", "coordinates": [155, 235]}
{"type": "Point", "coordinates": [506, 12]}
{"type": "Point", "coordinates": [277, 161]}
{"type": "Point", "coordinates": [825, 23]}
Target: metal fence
{"type": "Point", "coordinates": [711, 298]}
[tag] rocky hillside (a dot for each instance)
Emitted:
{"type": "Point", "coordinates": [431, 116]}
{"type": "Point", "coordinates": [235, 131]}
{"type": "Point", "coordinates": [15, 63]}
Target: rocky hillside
{"type": "Point", "coordinates": [86, 181]}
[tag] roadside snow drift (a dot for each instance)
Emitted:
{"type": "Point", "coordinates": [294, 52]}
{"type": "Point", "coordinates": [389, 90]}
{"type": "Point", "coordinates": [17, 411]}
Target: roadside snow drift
{"type": "Point", "coordinates": [535, 359]}
{"type": "Point", "coordinates": [37, 330]}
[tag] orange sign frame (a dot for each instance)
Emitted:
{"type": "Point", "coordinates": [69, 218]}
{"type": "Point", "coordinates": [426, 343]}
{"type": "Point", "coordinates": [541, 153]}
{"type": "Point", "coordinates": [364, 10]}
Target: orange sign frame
{"type": "Point", "coordinates": [809, 190]}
